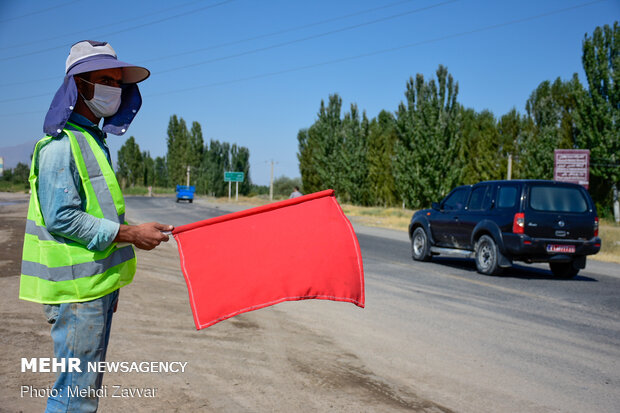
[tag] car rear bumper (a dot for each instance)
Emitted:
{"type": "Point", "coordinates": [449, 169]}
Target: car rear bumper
{"type": "Point", "coordinates": [525, 248]}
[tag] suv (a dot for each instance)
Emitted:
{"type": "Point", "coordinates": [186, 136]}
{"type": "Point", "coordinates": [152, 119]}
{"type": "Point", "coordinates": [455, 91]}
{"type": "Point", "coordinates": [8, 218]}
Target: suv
{"type": "Point", "coordinates": [498, 222]}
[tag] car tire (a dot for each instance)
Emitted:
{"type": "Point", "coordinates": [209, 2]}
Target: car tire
{"type": "Point", "coordinates": [191, 200]}
{"type": "Point", "coordinates": [487, 256]}
{"type": "Point", "coordinates": [563, 270]}
{"type": "Point", "coordinates": [420, 248]}
{"type": "Point", "coordinates": [177, 200]}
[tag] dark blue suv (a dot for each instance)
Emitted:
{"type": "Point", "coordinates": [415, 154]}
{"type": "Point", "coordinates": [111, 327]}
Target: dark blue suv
{"type": "Point", "coordinates": [498, 222]}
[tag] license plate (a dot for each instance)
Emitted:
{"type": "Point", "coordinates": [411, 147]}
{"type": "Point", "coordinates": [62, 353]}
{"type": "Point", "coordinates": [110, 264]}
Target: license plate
{"type": "Point", "coordinates": [566, 249]}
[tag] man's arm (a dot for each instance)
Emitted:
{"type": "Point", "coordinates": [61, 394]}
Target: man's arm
{"type": "Point", "coordinates": [62, 205]}
{"type": "Point", "coordinates": [62, 200]}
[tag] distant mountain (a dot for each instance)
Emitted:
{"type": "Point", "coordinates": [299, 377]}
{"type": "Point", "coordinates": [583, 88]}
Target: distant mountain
{"type": "Point", "coordinates": [19, 153]}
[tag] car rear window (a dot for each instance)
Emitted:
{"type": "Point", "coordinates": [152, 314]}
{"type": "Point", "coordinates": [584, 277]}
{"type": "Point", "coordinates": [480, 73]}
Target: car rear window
{"type": "Point", "coordinates": [507, 197]}
{"type": "Point", "coordinates": [557, 199]}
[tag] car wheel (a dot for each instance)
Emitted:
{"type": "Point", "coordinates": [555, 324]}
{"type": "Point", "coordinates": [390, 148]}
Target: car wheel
{"type": "Point", "coordinates": [191, 200]}
{"type": "Point", "coordinates": [420, 250]}
{"type": "Point", "coordinates": [177, 200]}
{"type": "Point", "coordinates": [487, 256]}
{"type": "Point", "coordinates": [563, 270]}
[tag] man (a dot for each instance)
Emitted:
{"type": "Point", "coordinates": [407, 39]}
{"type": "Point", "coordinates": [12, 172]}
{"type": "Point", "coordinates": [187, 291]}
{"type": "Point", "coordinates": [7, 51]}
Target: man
{"type": "Point", "coordinates": [295, 193]}
{"type": "Point", "coordinates": [76, 248]}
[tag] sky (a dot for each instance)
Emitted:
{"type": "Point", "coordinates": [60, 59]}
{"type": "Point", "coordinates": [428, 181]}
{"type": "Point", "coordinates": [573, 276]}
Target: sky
{"type": "Point", "coordinates": [254, 72]}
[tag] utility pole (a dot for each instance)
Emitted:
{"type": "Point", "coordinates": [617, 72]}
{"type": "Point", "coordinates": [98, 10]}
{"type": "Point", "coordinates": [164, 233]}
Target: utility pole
{"type": "Point", "coordinates": [271, 183]}
{"type": "Point", "coordinates": [188, 168]}
{"type": "Point", "coordinates": [509, 176]}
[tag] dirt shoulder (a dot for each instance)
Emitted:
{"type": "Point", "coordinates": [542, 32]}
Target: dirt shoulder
{"type": "Point", "coordinates": [255, 362]}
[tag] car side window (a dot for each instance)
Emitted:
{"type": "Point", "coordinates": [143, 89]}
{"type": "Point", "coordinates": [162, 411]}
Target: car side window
{"type": "Point", "coordinates": [507, 197]}
{"type": "Point", "coordinates": [480, 198]}
{"type": "Point", "coordinates": [456, 200]}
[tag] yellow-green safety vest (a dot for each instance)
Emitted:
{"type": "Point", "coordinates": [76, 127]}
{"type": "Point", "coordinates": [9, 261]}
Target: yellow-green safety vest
{"type": "Point", "coordinates": [57, 270]}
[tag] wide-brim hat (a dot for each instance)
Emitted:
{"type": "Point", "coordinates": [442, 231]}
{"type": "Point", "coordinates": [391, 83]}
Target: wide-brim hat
{"type": "Point", "coordinates": [88, 56]}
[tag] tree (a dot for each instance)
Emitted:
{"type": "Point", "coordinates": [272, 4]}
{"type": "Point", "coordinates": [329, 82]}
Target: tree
{"type": "Point", "coordinates": [178, 151]}
{"type": "Point", "coordinates": [130, 167]}
{"type": "Point", "coordinates": [148, 165]}
{"type": "Point", "coordinates": [284, 185]}
{"type": "Point", "coordinates": [550, 125]}
{"type": "Point", "coordinates": [481, 147]}
{"type": "Point", "coordinates": [511, 129]}
{"type": "Point", "coordinates": [320, 149]}
{"type": "Point", "coordinates": [160, 172]}
{"type": "Point", "coordinates": [352, 167]}
{"type": "Point", "coordinates": [195, 152]}
{"type": "Point", "coordinates": [19, 174]}
{"type": "Point", "coordinates": [427, 163]}
{"type": "Point", "coordinates": [598, 112]}
{"type": "Point", "coordinates": [380, 157]}
{"type": "Point", "coordinates": [240, 162]}
{"type": "Point", "coordinates": [216, 161]}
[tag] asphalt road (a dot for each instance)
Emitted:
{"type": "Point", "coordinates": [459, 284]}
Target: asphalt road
{"type": "Point", "coordinates": [518, 342]}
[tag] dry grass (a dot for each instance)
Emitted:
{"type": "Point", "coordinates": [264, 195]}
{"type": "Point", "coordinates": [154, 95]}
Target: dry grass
{"type": "Point", "coordinates": [392, 218]}
{"type": "Point", "coordinates": [609, 232]}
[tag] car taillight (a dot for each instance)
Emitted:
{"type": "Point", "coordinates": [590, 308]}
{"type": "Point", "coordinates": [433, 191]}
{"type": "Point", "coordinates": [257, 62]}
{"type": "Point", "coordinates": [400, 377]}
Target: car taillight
{"type": "Point", "coordinates": [596, 226]}
{"type": "Point", "coordinates": [518, 223]}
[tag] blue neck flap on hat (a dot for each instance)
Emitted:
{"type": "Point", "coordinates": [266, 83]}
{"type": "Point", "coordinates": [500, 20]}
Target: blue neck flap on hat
{"type": "Point", "coordinates": [64, 102]}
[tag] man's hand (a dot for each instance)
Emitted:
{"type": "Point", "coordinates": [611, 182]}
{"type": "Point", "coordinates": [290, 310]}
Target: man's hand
{"type": "Point", "coordinates": [144, 236]}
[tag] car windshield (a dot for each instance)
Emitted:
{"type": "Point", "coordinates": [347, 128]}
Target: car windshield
{"type": "Point", "coordinates": [557, 199]}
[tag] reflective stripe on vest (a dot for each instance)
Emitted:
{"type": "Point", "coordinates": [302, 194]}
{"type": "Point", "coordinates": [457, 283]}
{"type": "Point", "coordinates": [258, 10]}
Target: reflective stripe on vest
{"type": "Point", "coordinates": [56, 269]}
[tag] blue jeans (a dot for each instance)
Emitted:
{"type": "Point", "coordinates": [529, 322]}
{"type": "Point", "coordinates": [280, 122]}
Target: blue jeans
{"type": "Point", "coordinates": [80, 330]}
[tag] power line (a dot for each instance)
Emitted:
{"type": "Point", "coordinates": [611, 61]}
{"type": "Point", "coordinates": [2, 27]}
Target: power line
{"type": "Point", "coordinates": [135, 27]}
{"type": "Point", "coordinates": [291, 29]}
{"type": "Point", "coordinates": [382, 51]}
{"type": "Point", "coordinates": [303, 39]}
{"type": "Point", "coordinates": [297, 28]}
{"type": "Point", "coordinates": [32, 13]}
{"type": "Point", "coordinates": [363, 55]}
{"type": "Point", "coordinates": [116, 23]}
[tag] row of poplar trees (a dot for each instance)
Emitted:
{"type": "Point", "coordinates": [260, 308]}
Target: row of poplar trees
{"type": "Point", "coordinates": [186, 147]}
{"type": "Point", "coordinates": [432, 143]}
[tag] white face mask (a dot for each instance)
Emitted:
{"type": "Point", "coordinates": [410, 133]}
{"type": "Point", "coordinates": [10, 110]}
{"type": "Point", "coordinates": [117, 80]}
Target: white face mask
{"type": "Point", "coordinates": [106, 100]}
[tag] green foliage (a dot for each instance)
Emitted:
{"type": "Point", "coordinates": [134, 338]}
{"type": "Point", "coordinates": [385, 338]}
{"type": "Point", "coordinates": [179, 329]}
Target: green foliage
{"type": "Point", "coordinates": [283, 186]}
{"type": "Point", "coordinates": [380, 157]}
{"type": "Point", "coordinates": [549, 126]}
{"type": "Point", "coordinates": [598, 110]}
{"type": "Point", "coordinates": [148, 166]}
{"type": "Point", "coordinates": [178, 157]}
{"type": "Point", "coordinates": [216, 161]}
{"type": "Point", "coordinates": [511, 130]}
{"type": "Point", "coordinates": [130, 166]}
{"type": "Point", "coordinates": [16, 179]}
{"type": "Point", "coordinates": [240, 162]}
{"type": "Point", "coordinates": [161, 172]}
{"type": "Point", "coordinates": [481, 147]}
{"type": "Point", "coordinates": [207, 162]}
{"type": "Point", "coordinates": [428, 126]}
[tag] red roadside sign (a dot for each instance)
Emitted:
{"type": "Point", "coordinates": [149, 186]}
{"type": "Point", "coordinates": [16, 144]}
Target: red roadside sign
{"type": "Point", "coordinates": [572, 165]}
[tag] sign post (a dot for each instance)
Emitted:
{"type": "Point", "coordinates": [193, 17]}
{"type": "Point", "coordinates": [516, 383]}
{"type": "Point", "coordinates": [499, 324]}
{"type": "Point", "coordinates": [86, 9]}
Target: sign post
{"type": "Point", "coordinates": [572, 165]}
{"type": "Point", "coordinates": [235, 177]}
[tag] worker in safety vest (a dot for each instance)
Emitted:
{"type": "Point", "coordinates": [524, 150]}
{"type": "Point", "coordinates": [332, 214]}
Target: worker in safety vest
{"type": "Point", "coordinates": [77, 248]}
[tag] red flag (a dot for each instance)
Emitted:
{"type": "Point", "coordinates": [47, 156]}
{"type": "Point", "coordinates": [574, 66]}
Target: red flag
{"type": "Point", "coordinates": [296, 249]}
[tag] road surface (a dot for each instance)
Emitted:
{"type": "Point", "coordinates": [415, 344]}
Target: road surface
{"type": "Point", "coordinates": [434, 337]}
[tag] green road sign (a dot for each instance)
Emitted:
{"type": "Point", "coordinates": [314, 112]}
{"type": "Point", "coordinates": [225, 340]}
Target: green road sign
{"type": "Point", "coordinates": [233, 176]}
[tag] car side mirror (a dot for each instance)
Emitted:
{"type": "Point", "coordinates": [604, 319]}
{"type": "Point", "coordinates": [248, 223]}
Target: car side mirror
{"type": "Point", "coordinates": [435, 206]}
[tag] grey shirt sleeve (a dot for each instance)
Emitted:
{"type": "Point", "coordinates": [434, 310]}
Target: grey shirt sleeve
{"type": "Point", "coordinates": [63, 202]}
